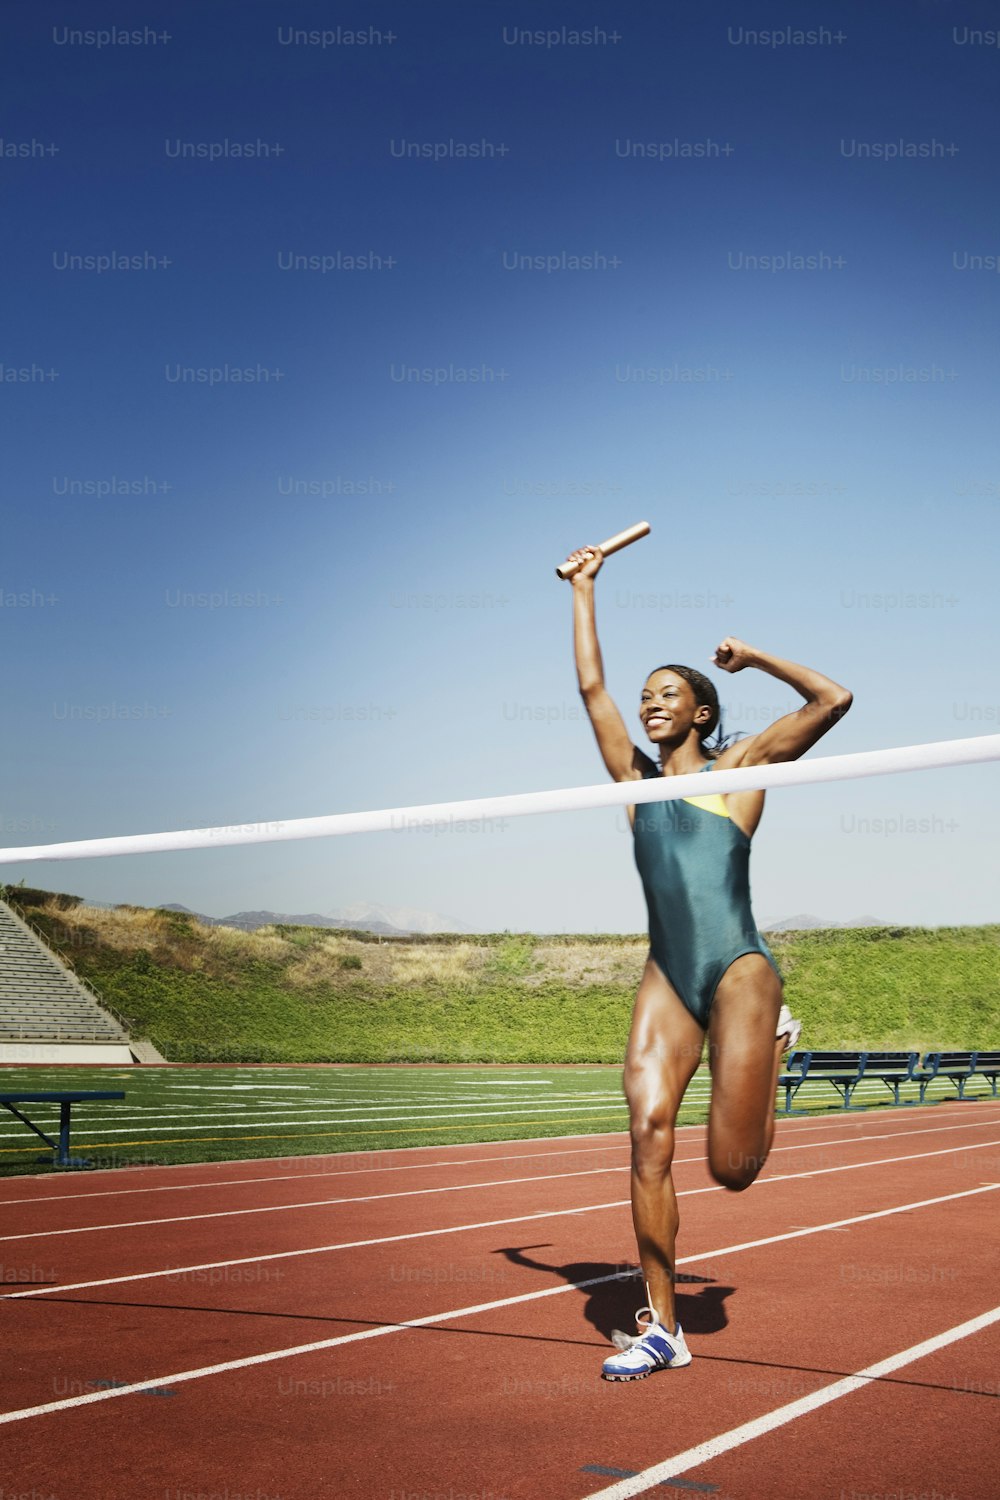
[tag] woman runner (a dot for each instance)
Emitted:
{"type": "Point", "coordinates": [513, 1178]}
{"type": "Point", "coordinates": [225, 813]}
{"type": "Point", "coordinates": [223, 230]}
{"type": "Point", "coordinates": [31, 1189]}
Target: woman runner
{"type": "Point", "coordinates": [709, 971]}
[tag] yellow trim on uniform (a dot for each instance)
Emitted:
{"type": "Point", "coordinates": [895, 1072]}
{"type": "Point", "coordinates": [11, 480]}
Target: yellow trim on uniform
{"type": "Point", "coordinates": [713, 803]}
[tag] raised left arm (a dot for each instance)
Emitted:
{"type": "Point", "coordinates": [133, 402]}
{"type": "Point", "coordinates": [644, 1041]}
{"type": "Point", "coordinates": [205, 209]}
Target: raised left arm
{"type": "Point", "coordinates": [791, 736]}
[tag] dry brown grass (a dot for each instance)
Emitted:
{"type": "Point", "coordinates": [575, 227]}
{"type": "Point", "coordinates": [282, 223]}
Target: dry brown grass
{"type": "Point", "coordinates": [234, 942]}
{"type": "Point", "coordinates": [463, 965]}
{"type": "Point", "coordinates": [132, 929]}
{"type": "Point", "coordinates": [386, 965]}
{"type": "Point", "coordinates": [584, 964]}
{"type": "Point", "coordinates": [451, 963]}
{"type": "Point", "coordinates": [321, 963]}
{"type": "Point", "coordinates": [127, 929]}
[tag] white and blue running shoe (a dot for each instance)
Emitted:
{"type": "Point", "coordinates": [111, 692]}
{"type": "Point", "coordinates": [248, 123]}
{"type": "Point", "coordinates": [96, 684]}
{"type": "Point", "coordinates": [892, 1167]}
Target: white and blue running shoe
{"type": "Point", "coordinates": [653, 1348]}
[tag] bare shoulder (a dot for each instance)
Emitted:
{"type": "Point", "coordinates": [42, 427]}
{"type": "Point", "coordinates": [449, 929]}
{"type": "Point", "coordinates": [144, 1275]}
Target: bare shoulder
{"type": "Point", "coordinates": [740, 754]}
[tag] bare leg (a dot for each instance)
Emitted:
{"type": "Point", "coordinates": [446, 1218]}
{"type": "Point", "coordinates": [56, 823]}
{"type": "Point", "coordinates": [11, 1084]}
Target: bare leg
{"type": "Point", "coordinates": [745, 1059]}
{"type": "Point", "coordinates": [664, 1049]}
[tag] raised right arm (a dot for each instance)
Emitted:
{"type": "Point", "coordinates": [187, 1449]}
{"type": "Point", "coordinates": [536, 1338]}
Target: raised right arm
{"type": "Point", "coordinates": [616, 747]}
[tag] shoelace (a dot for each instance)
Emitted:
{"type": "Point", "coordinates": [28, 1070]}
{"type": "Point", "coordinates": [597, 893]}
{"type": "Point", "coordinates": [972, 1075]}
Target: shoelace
{"type": "Point", "coordinates": [645, 1319]}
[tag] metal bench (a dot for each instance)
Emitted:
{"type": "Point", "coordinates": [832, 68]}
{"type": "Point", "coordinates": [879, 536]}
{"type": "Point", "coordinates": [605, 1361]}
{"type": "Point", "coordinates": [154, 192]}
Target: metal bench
{"type": "Point", "coordinates": [893, 1069]}
{"type": "Point", "coordinates": [958, 1068]}
{"type": "Point", "coordinates": [843, 1071]}
{"type": "Point", "coordinates": [65, 1099]}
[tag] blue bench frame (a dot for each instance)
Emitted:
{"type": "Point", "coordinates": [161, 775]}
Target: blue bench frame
{"type": "Point", "coordinates": [66, 1099]}
{"type": "Point", "coordinates": [856, 1066]}
{"type": "Point", "coordinates": [958, 1068]}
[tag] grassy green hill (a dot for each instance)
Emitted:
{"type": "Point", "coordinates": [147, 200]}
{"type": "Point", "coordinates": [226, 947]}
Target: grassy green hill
{"type": "Point", "coordinates": [304, 994]}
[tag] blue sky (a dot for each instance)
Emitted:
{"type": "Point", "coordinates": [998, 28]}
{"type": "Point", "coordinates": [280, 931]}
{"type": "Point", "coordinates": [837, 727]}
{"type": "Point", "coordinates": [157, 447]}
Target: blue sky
{"type": "Point", "coordinates": [330, 586]}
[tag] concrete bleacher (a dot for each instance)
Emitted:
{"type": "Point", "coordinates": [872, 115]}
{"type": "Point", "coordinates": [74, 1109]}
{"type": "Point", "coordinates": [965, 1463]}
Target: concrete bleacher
{"type": "Point", "coordinates": [47, 1014]}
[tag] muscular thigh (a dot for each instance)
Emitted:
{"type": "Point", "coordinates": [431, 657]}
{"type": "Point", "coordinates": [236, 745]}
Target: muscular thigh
{"type": "Point", "coordinates": [664, 1048]}
{"type": "Point", "coordinates": [741, 1040]}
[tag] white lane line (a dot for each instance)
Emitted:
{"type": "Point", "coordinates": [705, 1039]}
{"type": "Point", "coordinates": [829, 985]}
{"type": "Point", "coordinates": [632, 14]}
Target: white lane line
{"type": "Point", "coordinates": [317, 1108]}
{"type": "Point", "coordinates": [421, 1234]}
{"type": "Point", "coordinates": [463, 1187]}
{"type": "Point", "coordinates": [416, 1166]}
{"type": "Point", "coordinates": [811, 1125]}
{"type": "Point", "coordinates": [703, 1453]}
{"type": "Point", "coordinates": [421, 1166]}
{"type": "Point", "coordinates": [482, 1161]}
{"type": "Point", "coordinates": [233, 1116]}
{"type": "Point", "coordinates": [800, 1126]}
{"type": "Point", "coordinates": [452, 1114]}
{"type": "Point", "coordinates": [696, 1093]}
{"type": "Point", "coordinates": [425, 1103]}
{"type": "Point", "coordinates": [277, 1208]}
{"type": "Point", "coordinates": [325, 1118]}
{"type": "Point", "coordinates": [470, 1110]}
{"type": "Point", "coordinates": [209, 1108]}
{"type": "Point", "coordinates": [461, 1312]}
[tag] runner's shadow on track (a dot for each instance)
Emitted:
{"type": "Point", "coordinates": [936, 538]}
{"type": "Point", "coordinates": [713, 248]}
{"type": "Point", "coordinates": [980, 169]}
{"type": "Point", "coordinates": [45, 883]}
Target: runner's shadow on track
{"type": "Point", "coordinates": [613, 1301]}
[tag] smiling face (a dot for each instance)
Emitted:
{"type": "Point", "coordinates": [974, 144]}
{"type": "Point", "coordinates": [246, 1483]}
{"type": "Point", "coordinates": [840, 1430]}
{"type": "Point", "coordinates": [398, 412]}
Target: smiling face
{"type": "Point", "coordinates": [669, 709]}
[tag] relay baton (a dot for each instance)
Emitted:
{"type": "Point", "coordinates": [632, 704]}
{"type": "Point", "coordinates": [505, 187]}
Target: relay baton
{"type": "Point", "coordinates": [613, 544]}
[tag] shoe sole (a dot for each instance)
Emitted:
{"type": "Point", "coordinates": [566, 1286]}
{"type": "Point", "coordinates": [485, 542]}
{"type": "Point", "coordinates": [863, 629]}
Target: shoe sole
{"type": "Point", "coordinates": [675, 1364]}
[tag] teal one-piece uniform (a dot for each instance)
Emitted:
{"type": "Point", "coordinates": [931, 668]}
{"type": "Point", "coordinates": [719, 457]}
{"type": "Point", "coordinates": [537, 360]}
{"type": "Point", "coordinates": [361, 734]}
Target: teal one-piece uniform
{"type": "Point", "coordinates": [695, 868]}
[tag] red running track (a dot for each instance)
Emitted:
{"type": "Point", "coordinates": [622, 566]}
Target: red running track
{"type": "Point", "coordinates": [430, 1324]}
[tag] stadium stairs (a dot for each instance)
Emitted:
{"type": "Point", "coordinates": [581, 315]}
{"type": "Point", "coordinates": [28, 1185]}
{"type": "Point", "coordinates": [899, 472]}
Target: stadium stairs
{"type": "Point", "coordinates": [48, 1014]}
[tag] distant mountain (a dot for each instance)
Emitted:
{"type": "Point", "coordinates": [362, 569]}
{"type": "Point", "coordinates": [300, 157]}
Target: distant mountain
{"type": "Point", "coordinates": [249, 921]}
{"type": "Point", "coordinates": [367, 914]}
{"type": "Point", "coordinates": [804, 921]}
{"type": "Point", "coordinates": [401, 921]}
{"type": "Point", "coordinates": [253, 919]}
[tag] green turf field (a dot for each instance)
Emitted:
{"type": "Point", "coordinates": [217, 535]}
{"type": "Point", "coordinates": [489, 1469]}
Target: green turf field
{"type": "Point", "coordinates": [297, 995]}
{"type": "Point", "coordinates": [178, 1114]}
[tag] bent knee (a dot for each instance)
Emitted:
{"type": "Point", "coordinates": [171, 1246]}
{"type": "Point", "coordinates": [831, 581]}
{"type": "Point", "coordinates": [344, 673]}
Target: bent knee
{"type": "Point", "coordinates": [735, 1169]}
